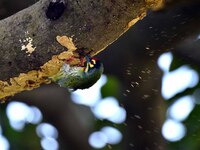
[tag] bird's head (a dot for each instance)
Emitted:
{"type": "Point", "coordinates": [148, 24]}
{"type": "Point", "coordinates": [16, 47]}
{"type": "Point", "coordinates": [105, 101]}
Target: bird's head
{"type": "Point", "coordinates": [92, 64]}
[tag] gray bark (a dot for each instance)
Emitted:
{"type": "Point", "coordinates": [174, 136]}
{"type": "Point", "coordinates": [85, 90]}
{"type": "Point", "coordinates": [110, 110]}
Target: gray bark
{"type": "Point", "coordinates": [92, 25]}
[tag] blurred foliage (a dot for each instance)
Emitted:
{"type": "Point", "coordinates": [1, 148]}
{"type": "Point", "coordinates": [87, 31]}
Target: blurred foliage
{"type": "Point", "coordinates": [177, 62]}
{"type": "Point", "coordinates": [19, 140]}
{"type": "Point", "coordinates": [191, 140]}
{"type": "Point", "coordinates": [111, 88]}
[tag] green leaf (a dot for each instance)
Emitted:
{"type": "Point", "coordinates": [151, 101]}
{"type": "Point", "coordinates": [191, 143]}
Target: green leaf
{"type": "Point", "coordinates": [111, 88]}
{"type": "Point", "coordinates": [191, 141]}
{"type": "Point", "coordinates": [176, 63]}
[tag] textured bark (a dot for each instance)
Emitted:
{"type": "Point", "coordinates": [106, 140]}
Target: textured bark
{"type": "Point", "coordinates": [28, 38]}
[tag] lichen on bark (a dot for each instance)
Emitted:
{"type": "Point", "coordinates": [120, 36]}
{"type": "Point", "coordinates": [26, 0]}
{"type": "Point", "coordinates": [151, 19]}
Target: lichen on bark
{"type": "Point", "coordinates": [34, 78]}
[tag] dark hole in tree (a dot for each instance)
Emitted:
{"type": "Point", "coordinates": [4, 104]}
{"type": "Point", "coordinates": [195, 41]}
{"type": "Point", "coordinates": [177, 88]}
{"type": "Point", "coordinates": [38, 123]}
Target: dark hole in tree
{"type": "Point", "coordinates": [10, 63]}
{"type": "Point", "coordinates": [30, 82]}
{"type": "Point", "coordinates": [55, 10]}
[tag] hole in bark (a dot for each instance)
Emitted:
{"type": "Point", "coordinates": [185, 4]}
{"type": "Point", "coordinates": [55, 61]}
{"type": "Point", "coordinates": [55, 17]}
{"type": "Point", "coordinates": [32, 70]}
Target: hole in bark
{"type": "Point", "coordinates": [55, 9]}
{"type": "Point", "coordinates": [30, 82]}
{"type": "Point", "coordinates": [10, 63]}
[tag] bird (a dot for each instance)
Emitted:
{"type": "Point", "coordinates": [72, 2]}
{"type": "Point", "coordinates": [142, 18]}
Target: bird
{"type": "Point", "coordinates": [79, 77]}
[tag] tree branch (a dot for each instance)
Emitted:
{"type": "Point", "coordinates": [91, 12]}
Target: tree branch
{"type": "Point", "coordinates": [30, 52]}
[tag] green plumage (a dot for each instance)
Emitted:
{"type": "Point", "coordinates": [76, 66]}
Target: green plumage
{"type": "Point", "coordinates": [76, 78]}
